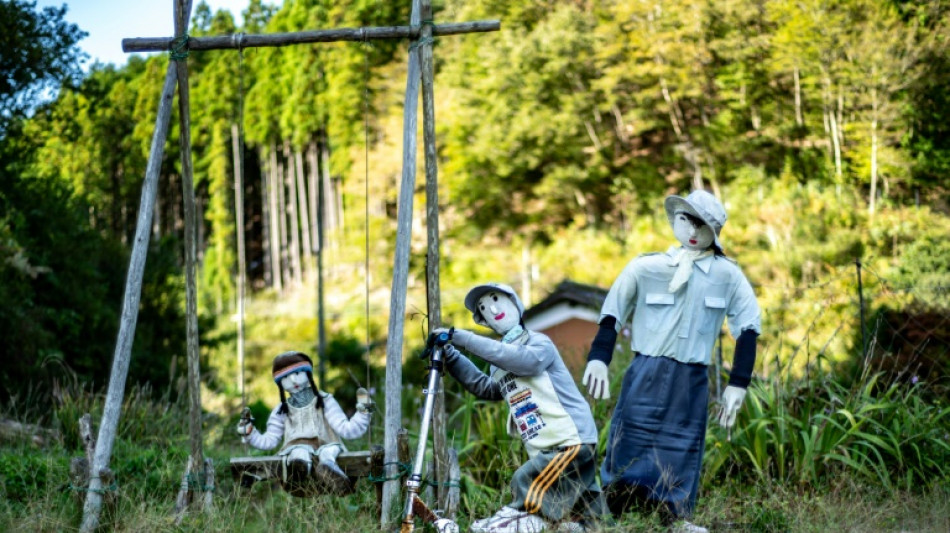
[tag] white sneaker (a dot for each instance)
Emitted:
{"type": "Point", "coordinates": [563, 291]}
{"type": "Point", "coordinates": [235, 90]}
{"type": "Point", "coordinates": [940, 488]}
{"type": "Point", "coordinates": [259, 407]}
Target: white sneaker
{"type": "Point", "coordinates": [521, 523]}
{"type": "Point", "coordinates": [481, 526]}
{"type": "Point", "coordinates": [444, 525]}
{"type": "Point", "coordinates": [683, 526]}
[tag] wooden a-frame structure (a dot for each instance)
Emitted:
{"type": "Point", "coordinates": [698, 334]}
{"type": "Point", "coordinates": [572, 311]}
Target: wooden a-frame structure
{"type": "Point", "coordinates": [420, 72]}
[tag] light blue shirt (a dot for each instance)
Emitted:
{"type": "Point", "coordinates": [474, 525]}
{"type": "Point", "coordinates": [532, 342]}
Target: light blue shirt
{"type": "Point", "coordinates": [683, 325]}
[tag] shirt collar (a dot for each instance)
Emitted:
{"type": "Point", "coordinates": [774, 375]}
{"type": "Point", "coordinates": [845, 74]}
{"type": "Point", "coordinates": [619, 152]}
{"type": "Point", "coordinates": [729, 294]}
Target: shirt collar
{"type": "Point", "coordinates": [704, 264]}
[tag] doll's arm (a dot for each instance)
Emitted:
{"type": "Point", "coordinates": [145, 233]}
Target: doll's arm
{"type": "Point", "coordinates": [272, 437]}
{"type": "Point", "coordinates": [519, 359]}
{"type": "Point", "coordinates": [465, 372]}
{"type": "Point", "coordinates": [742, 364]}
{"type": "Point", "coordinates": [351, 428]}
{"type": "Point", "coordinates": [596, 377]}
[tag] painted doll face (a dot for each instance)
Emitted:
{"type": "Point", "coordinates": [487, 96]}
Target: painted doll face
{"type": "Point", "coordinates": [499, 311]}
{"type": "Point", "coordinates": [294, 383]}
{"type": "Point", "coordinates": [692, 232]}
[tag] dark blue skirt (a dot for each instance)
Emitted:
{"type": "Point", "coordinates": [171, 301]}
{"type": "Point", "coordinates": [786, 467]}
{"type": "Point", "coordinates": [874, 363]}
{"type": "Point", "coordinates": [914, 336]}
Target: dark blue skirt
{"type": "Point", "coordinates": [658, 432]}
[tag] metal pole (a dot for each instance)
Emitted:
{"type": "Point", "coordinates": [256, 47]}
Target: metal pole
{"type": "Point", "coordinates": [414, 483]}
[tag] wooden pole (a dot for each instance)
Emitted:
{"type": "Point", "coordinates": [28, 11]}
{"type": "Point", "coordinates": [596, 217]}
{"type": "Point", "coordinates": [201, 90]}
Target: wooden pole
{"type": "Point", "coordinates": [397, 306]}
{"type": "Point", "coordinates": [196, 460]}
{"type": "Point", "coordinates": [240, 40]}
{"type": "Point", "coordinates": [130, 307]}
{"type": "Point", "coordinates": [434, 299]}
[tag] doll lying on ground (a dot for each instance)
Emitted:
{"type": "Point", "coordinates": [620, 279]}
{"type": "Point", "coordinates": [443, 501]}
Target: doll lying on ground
{"type": "Point", "coordinates": [311, 424]}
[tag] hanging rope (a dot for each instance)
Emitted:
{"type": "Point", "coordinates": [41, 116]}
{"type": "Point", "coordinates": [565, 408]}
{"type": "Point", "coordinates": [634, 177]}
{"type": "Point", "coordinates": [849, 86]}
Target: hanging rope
{"type": "Point", "coordinates": [366, 46]}
{"type": "Point", "coordinates": [239, 210]}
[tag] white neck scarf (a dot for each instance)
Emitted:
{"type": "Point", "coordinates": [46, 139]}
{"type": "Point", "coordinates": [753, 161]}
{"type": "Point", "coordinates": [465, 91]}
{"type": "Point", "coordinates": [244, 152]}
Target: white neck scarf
{"type": "Point", "coordinates": [512, 334]}
{"type": "Point", "coordinates": [684, 266]}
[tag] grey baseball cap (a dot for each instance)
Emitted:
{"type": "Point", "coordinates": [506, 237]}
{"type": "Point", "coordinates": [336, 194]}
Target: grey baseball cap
{"type": "Point", "coordinates": [476, 292]}
{"type": "Point", "coordinates": [702, 205]}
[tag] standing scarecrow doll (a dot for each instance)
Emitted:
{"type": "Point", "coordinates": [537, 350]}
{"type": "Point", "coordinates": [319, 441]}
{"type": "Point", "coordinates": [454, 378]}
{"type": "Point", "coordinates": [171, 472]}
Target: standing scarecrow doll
{"type": "Point", "coordinates": [675, 302]}
{"type": "Point", "coordinates": [311, 423]}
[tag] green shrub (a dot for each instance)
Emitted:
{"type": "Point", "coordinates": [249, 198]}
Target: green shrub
{"type": "Point", "coordinates": [806, 432]}
{"type": "Point", "coordinates": [27, 474]}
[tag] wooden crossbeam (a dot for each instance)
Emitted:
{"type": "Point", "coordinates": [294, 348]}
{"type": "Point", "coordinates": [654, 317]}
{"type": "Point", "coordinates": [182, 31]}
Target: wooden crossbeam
{"type": "Point", "coordinates": [241, 40]}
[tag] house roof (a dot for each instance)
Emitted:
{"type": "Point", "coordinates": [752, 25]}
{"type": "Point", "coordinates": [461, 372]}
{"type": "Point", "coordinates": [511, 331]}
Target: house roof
{"type": "Point", "coordinates": [571, 294]}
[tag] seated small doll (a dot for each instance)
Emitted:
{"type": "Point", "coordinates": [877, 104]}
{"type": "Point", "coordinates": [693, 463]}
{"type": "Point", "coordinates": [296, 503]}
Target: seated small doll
{"type": "Point", "coordinates": [311, 424]}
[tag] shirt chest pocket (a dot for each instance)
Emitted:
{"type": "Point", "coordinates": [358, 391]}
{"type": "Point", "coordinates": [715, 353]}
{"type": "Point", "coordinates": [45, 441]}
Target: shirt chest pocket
{"type": "Point", "coordinates": [659, 308]}
{"type": "Point", "coordinates": [712, 314]}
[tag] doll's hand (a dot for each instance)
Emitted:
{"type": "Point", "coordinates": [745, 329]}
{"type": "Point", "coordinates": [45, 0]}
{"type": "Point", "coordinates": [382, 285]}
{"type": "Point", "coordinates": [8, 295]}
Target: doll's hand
{"type": "Point", "coordinates": [364, 402]}
{"type": "Point", "coordinates": [597, 380]}
{"type": "Point", "coordinates": [440, 332]}
{"type": "Point", "coordinates": [246, 426]}
{"type": "Point", "coordinates": [457, 336]}
{"type": "Point", "coordinates": [732, 399]}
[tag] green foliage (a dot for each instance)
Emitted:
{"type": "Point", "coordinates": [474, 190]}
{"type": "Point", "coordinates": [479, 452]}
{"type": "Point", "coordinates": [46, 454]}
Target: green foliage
{"type": "Point", "coordinates": [807, 432]}
{"type": "Point", "coordinates": [37, 53]}
{"type": "Point", "coordinates": [28, 473]}
{"type": "Point", "coordinates": [59, 289]}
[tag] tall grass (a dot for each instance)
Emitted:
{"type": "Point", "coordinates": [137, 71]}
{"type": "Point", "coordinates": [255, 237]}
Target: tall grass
{"type": "Point", "coordinates": [803, 433]}
{"type": "Point", "coordinates": [805, 454]}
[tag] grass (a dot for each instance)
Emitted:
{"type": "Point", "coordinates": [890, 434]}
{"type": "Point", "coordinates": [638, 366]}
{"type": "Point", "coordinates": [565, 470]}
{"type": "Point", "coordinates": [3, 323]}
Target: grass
{"type": "Point", "coordinates": [40, 502]}
{"type": "Point", "coordinates": [805, 456]}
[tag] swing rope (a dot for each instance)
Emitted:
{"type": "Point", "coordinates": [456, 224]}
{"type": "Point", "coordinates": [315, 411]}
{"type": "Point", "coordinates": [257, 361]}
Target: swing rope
{"type": "Point", "coordinates": [238, 209]}
{"type": "Point", "coordinates": [366, 45]}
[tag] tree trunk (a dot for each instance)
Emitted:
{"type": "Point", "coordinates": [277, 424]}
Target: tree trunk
{"type": "Point", "coordinates": [293, 236]}
{"type": "Point", "coordinates": [302, 203]}
{"type": "Point", "coordinates": [286, 270]}
{"type": "Point", "coordinates": [872, 201]}
{"type": "Point", "coordinates": [276, 228]}
{"type": "Point", "coordinates": [313, 184]}
{"type": "Point", "coordinates": [268, 273]}
{"type": "Point", "coordinates": [799, 118]}
{"type": "Point", "coordinates": [329, 214]}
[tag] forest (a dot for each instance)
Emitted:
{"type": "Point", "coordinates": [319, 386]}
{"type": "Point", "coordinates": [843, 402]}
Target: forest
{"type": "Point", "coordinates": [822, 125]}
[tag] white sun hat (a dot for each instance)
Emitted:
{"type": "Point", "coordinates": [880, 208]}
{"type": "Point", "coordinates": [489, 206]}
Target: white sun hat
{"type": "Point", "coordinates": [702, 205]}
